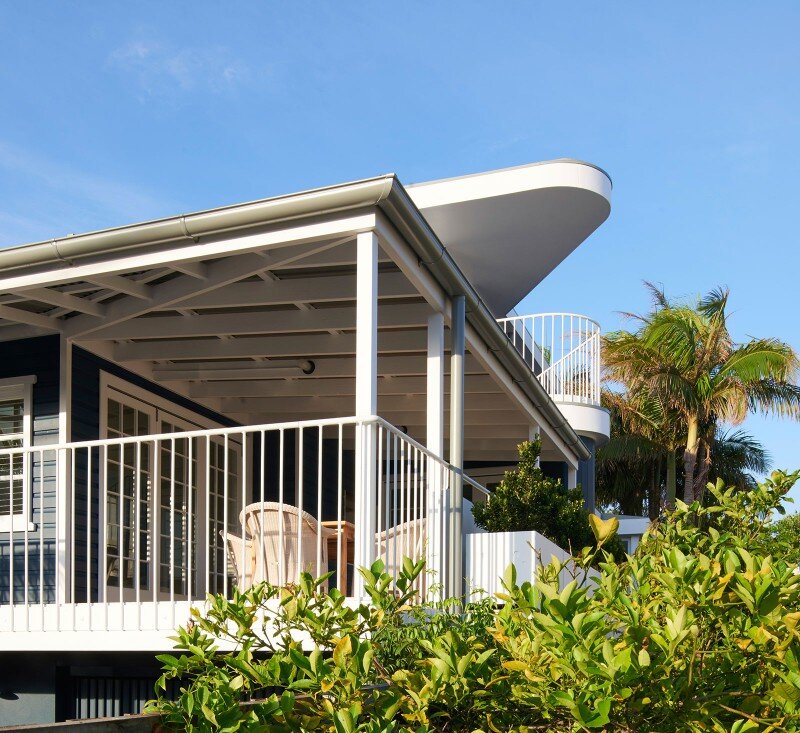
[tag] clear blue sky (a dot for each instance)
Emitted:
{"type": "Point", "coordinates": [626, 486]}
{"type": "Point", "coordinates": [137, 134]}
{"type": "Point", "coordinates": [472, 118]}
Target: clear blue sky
{"type": "Point", "coordinates": [117, 112]}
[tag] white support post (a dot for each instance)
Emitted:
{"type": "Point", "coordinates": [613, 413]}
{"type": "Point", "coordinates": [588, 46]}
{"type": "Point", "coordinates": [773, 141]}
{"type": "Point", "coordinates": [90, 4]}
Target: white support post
{"type": "Point", "coordinates": [64, 488]}
{"type": "Point", "coordinates": [366, 402]}
{"type": "Point", "coordinates": [456, 539]}
{"type": "Point", "coordinates": [436, 549]}
{"type": "Point", "coordinates": [572, 477]}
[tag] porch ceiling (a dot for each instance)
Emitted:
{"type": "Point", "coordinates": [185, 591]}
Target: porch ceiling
{"type": "Point", "coordinates": [264, 336]}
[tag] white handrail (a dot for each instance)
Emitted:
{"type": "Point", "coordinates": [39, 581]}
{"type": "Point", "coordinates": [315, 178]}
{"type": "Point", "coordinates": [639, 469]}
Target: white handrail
{"type": "Point", "coordinates": [562, 350]}
{"type": "Point", "coordinates": [156, 520]}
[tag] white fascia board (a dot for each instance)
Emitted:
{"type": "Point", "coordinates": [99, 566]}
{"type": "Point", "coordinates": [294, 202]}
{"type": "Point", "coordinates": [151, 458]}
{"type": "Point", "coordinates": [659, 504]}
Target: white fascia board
{"type": "Point", "coordinates": [507, 181]}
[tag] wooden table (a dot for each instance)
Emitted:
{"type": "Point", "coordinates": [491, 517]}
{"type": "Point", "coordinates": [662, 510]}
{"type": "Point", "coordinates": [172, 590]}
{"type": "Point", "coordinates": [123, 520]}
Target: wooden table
{"type": "Point", "coordinates": [345, 533]}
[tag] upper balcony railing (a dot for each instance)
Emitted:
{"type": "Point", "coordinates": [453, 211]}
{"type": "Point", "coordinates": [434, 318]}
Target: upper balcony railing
{"type": "Point", "coordinates": [562, 350]}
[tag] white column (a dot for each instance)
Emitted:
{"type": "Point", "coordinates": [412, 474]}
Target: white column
{"type": "Point", "coordinates": [366, 402]}
{"type": "Point", "coordinates": [436, 555]}
{"type": "Point", "coordinates": [456, 540]}
{"type": "Point", "coordinates": [572, 477]}
{"type": "Point", "coordinates": [64, 488]}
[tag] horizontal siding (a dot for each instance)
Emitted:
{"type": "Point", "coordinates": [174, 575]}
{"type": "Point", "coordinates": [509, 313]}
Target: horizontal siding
{"type": "Point", "coordinates": [40, 357]}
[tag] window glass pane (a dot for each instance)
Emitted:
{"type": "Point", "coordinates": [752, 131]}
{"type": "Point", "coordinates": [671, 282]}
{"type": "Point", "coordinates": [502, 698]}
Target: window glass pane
{"type": "Point", "coordinates": [114, 415]}
{"type": "Point", "coordinates": [128, 420]}
{"type": "Point", "coordinates": [11, 414]}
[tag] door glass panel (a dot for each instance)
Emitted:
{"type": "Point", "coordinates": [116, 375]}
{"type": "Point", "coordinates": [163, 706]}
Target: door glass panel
{"type": "Point", "coordinates": [221, 494]}
{"type": "Point", "coordinates": [123, 549]}
{"type": "Point", "coordinates": [179, 481]}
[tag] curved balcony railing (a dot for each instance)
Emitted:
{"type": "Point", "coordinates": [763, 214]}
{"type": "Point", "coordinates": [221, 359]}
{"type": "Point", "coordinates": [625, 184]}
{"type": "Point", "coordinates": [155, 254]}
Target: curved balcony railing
{"type": "Point", "coordinates": [562, 350]}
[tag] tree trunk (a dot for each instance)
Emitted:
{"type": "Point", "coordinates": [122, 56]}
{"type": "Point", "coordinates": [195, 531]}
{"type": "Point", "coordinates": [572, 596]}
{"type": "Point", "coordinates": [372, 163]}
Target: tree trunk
{"type": "Point", "coordinates": [654, 496]}
{"type": "Point", "coordinates": [702, 474]}
{"type": "Point", "coordinates": [672, 478]}
{"type": "Point", "coordinates": [690, 460]}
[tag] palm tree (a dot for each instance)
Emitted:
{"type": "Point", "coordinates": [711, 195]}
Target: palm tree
{"type": "Point", "coordinates": [633, 467]}
{"type": "Point", "coordinates": [684, 357]}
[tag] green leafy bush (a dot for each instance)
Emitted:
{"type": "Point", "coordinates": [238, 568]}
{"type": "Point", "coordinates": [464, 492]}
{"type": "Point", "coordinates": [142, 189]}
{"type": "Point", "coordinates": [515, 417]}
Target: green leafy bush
{"type": "Point", "coordinates": [785, 538]}
{"type": "Point", "coordinates": [528, 500]}
{"type": "Point", "coordinates": [698, 631]}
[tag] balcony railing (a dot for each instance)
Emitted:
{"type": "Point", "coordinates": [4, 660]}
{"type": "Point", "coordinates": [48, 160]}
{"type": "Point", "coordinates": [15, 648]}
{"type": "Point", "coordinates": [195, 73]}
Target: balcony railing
{"type": "Point", "coordinates": [125, 534]}
{"type": "Point", "coordinates": [562, 350]}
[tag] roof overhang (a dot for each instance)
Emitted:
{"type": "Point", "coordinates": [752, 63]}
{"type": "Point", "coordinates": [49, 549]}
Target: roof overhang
{"type": "Point", "coordinates": [508, 229]}
{"type": "Point", "coordinates": [196, 253]}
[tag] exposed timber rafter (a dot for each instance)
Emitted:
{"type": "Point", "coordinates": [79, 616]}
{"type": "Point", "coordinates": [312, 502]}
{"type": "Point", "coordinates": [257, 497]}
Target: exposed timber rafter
{"type": "Point", "coordinates": [253, 322]}
{"type": "Point", "coordinates": [63, 300]}
{"type": "Point", "coordinates": [299, 345]}
{"type": "Point", "coordinates": [18, 315]}
{"type": "Point", "coordinates": [317, 289]}
{"type": "Point", "coordinates": [475, 384]}
{"type": "Point", "coordinates": [122, 285]}
{"type": "Point", "coordinates": [222, 272]}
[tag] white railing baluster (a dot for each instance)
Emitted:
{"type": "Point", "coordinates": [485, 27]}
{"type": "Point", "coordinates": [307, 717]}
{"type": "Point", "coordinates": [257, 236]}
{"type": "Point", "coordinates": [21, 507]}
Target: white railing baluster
{"type": "Point", "coordinates": [409, 516]}
{"type": "Point", "coordinates": [319, 506]}
{"type": "Point", "coordinates": [567, 352]}
{"type": "Point", "coordinates": [341, 560]}
{"type": "Point", "coordinates": [281, 552]}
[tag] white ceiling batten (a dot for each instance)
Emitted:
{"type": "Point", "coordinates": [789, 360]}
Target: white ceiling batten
{"type": "Point", "coordinates": [212, 371]}
{"type": "Point", "coordinates": [261, 322]}
{"type": "Point", "coordinates": [251, 347]}
{"type": "Point", "coordinates": [222, 272]}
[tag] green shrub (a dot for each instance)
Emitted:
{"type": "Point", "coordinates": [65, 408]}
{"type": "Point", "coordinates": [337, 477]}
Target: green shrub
{"type": "Point", "coordinates": [785, 538]}
{"type": "Point", "coordinates": [698, 631]}
{"type": "Point", "coordinates": [528, 500]}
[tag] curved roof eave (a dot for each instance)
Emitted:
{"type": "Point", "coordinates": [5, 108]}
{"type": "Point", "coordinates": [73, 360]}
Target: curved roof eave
{"type": "Point", "coordinates": [509, 228]}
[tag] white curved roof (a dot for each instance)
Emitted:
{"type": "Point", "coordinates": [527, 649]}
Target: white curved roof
{"type": "Point", "coordinates": [508, 229]}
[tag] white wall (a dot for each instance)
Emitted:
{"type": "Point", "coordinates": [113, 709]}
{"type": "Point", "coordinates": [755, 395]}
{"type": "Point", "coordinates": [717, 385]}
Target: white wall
{"type": "Point", "coordinates": [488, 554]}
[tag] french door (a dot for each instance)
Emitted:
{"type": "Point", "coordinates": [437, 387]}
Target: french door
{"type": "Point", "coordinates": [197, 485]}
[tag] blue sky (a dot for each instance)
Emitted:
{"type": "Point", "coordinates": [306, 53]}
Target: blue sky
{"type": "Point", "coordinates": [117, 112]}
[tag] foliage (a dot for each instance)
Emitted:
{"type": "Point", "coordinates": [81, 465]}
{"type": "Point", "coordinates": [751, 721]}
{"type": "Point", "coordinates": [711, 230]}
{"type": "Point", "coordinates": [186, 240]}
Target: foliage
{"type": "Point", "coordinates": [698, 632]}
{"type": "Point", "coordinates": [684, 357]}
{"type": "Point", "coordinates": [527, 499]}
{"type": "Point", "coordinates": [785, 539]}
{"type": "Point", "coordinates": [636, 468]}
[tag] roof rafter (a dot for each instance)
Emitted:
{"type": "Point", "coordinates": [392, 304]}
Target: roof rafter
{"type": "Point", "coordinates": [298, 290]}
{"type": "Point", "coordinates": [299, 345]}
{"type": "Point", "coordinates": [18, 315]}
{"type": "Point", "coordinates": [254, 322]}
{"type": "Point", "coordinates": [63, 300]}
{"type": "Point", "coordinates": [123, 285]}
{"type": "Point", "coordinates": [226, 270]}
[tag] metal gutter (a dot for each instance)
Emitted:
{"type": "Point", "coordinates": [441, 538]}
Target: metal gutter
{"type": "Point", "coordinates": [341, 197]}
{"type": "Point", "coordinates": [384, 191]}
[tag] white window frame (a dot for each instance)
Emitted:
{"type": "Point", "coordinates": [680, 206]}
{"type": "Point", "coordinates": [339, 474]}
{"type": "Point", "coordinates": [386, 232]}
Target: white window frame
{"type": "Point", "coordinates": [14, 388]}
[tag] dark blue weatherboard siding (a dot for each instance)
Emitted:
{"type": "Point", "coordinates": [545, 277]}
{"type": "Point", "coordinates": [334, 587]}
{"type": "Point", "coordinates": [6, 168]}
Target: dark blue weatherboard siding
{"type": "Point", "coordinates": [329, 467]}
{"type": "Point", "coordinates": [86, 368]}
{"type": "Point", "coordinates": [586, 475]}
{"type": "Point", "coordinates": [40, 357]}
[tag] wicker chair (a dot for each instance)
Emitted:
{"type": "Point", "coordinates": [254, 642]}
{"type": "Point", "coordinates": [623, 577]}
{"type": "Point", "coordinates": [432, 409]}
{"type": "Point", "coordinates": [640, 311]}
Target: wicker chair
{"type": "Point", "coordinates": [280, 542]}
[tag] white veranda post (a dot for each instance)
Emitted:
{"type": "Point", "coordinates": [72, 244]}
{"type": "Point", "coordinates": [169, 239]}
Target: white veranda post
{"type": "Point", "coordinates": [435, 498]}
{"type": "Point", "coordinates": [572, 477]}
{"type": "Point", "coordinates": [456, 540]}
{"type": "Point", "coordinates": [366, 402]}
